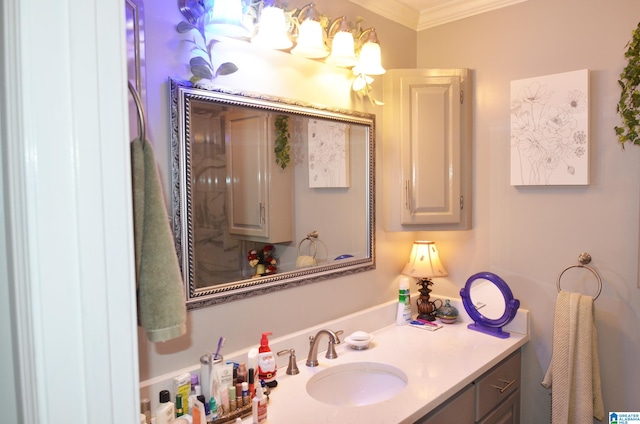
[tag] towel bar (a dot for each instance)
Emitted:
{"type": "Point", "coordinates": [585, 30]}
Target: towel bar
{"type": "Point", "coordinates": [140, 110]}
{"type": "Point", "coordinates": [583, 259]}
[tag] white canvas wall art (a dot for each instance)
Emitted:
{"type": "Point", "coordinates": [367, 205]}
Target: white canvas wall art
{"type": "Point", "coordinates": [328, 154]}
{"type": "Point", "coordinates": [550, 130]}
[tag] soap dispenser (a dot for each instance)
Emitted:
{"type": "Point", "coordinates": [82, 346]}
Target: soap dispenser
{"type": "Point", "coordinates": [266, 362]}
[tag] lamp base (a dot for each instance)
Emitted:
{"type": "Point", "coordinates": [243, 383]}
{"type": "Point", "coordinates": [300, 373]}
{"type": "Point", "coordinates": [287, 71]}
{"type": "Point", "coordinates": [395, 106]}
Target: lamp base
{"type": "Point", "coordinates": [426, 317]}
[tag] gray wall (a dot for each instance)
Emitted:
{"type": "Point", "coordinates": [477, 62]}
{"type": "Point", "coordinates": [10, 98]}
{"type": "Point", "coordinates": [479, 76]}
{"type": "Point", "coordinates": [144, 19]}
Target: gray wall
{"type": "Point", "coordinates": [532, 233]}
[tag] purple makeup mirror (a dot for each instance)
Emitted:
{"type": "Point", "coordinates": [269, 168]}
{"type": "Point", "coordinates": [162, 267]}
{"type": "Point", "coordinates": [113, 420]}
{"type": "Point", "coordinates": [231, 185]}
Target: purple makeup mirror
{"type": "Point", "coordinates": [482, 323]}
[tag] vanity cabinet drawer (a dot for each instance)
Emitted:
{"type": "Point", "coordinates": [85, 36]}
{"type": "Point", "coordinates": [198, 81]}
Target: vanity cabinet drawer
{"type": "Point", "coordinates": [497, 385]}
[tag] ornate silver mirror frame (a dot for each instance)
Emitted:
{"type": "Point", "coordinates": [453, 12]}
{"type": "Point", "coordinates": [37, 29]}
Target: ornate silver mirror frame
{"type": "Point", "coordinates": [183, 97]}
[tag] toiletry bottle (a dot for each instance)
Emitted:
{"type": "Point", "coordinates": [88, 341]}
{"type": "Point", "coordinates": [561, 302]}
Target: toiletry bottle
{"type": "Point", "coordinates": [213, 409]}
{"type": "Point", "coordinates": [266, 362]}
{"type": "Point", "coordinates": [404, 306]}
{"type": "Point", "coordinates": [246, 400]}
{"type": "Point", "coordinates": [198, 414]}
{"type": "Point", "coordinates": [165, 412]}
{"type": "Point", "coordinates": [182, 385]}
{"type": "Point", "coordinates": [179, 406]}
{"type": "Point", "coordinates": [259, 406]}
{"type": "Point", "coordinates": [231, 390]}
{"type": "Point", "coordinates": [242, 372]}
{"type": "Point", "coordinates": [194, 382]}
{"type": "Point", "coordinates": [205, 374]}
{"type": "Point", "coordinates": [145, 408]}
{"type": "Point", "coordinates": [252, 388]}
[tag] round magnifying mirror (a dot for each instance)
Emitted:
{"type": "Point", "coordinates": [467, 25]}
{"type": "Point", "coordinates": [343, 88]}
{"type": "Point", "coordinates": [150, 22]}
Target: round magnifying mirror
{"type": "Point", "coordinates": [490, 303]}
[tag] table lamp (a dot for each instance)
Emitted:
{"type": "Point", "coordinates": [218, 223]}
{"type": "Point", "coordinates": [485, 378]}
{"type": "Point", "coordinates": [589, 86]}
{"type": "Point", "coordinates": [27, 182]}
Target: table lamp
{"type": "Point", "coordinates": [424, 264]}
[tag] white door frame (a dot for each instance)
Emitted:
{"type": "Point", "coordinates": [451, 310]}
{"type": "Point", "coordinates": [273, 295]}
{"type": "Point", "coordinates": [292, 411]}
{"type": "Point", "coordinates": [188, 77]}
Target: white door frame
{"type": "Point", "coordinates": [66, 197]}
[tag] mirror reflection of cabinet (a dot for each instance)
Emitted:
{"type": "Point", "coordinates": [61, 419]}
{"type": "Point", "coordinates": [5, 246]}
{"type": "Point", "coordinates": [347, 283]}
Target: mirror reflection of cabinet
{"type": "Point", "coordinates": [259, 192]}
{"type": "Point", "coordinates": [428, 149]}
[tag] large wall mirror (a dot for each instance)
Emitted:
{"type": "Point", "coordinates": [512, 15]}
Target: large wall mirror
{"type": "Point", "coordinates": [267, 193]}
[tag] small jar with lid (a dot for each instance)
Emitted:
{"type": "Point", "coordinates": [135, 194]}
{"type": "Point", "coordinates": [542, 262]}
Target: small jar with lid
{"type": "Point", "coordinates": [448, 314]}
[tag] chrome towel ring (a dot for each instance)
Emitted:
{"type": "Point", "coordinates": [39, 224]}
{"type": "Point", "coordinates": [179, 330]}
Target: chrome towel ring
{"type": "Point", "coordinates": [583, 259]}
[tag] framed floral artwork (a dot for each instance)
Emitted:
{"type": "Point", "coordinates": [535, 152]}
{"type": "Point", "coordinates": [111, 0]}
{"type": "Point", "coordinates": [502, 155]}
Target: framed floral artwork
{"type": "Point", "coordinates": [550, 130]}
{"type": "Point", "coordinates": [328, 154]}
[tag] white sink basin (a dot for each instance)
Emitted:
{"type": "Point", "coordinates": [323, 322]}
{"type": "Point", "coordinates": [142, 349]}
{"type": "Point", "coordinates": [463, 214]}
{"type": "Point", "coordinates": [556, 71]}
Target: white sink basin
{"type": "Point", "coordinates": [357, 384]}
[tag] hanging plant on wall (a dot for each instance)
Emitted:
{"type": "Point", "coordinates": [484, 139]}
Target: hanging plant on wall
{"type": "Point", "coordinates": [282, 147]}
{"type": "Point", "coordinates": [197, 15]}
{"type": "Point", "coordinates": [629, 103]}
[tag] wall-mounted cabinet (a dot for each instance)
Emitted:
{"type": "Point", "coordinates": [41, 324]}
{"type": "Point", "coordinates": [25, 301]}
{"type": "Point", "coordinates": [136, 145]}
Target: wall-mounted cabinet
{"type": "Point", "coordinates": [260, 193]}
{"type": "Point", "coordinates": [427, 149]}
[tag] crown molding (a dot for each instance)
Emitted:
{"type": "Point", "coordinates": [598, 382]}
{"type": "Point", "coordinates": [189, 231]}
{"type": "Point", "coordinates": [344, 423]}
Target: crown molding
{"type": "Point", "coordinates": [392, 9]}
{"type": "Point", "coordinates": [439, 13]}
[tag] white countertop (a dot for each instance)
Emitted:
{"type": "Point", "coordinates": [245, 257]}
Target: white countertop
{"type": "Point", "coordinates": [438, 364]}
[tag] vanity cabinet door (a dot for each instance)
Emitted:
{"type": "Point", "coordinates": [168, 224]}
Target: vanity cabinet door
{"type": "Point", "coordinates": [507, 413]}
{"type": "Point", "coordinates": [459, 409]}
{"type": "Point", "coordinates": [495, 390]}
{"type": "Point", "coordinates": [259, 194]}
{"type": "Point", "coordinates": [427, 149]}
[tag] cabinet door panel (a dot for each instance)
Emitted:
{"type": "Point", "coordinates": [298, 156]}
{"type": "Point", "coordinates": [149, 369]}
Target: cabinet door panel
{"type": "Point", "coordinates": [507, 413]}
{"type": "Point", "coordinates": [246, 154]}
{"type": "Point", "coordinates": [459, 410]}
{"type": "Point", "coordinates": [427, 149]}
{"type": "Point", "coordinates": [431, 164]}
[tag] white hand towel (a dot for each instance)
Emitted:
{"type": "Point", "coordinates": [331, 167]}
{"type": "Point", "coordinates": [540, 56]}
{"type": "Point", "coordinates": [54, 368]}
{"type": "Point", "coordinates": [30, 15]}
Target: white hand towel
{"type": "Point", "coordinates": [574, 372]}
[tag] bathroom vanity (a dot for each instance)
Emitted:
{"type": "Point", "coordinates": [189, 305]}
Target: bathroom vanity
{"type": "Point", "coordinates": [452, 375]}
{"type": "Point", "coordinates": [447, 375]}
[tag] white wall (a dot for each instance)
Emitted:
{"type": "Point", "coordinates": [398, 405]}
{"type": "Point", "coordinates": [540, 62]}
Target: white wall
{"type": "Point", "coordinates": [530, 234]}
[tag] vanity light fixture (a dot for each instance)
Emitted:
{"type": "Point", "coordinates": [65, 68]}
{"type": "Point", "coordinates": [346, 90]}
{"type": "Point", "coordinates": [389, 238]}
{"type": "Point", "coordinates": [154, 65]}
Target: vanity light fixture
{"type": "Point", "coordinates": [273, 30]}
{"type": "Point", "coordinates": [278, 29]}
{"type": "Point", "coordinates": [424, 264]}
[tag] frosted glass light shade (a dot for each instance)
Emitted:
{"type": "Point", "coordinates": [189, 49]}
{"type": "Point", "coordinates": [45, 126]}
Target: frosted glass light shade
{"type": "Point", "coordinates": [424, 261]}
{"type": "Point", "coordinates": [342, 50]}
{"type": "Point", "coordinates": [272, 29]}
{"type": "Point", "coordinates": [227, 19]}
{"type": "Point", "coordinates": [310, 41]}
{"type": "Point", "coordinates": [370, 60]}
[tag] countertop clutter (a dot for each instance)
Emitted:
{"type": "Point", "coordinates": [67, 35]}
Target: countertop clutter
{"type": "Point", "coordinates": [437, 363]}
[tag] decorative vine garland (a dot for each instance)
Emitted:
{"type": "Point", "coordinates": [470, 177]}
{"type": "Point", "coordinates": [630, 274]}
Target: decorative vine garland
{"type": "Point", "coordinates": [282, 147]}
{"type": "Point", "coordinates": [629, 104]}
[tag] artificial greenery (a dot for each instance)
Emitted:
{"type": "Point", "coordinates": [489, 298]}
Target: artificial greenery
{"type": "Point", "coordinates": [629, 103]}
{"type": "Point", "coordinates": [197, 14]}
{"type": "Point", "coordinates": [282, 147]}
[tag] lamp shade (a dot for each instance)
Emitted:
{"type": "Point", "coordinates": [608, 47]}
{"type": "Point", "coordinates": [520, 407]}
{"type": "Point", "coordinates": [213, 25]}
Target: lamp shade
{"type": "Point", "coordinates": [342, 45]}
{"type": "Point", "coordinates": [310, 42]}
{"type": "Point", "coordinates": [370, 58]}
{"type": "Point", "coordinates": [273, 31]}
{"type": "Point", "coordinates": [424, 261]}
{"type": "Point", "coordinates": [226, 19]}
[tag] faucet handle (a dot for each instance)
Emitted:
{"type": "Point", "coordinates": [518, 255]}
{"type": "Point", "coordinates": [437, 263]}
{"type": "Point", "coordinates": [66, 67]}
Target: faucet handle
{"type": "Point", "coordinates": [338, 333]}
{"type": "Point", "coordinates": [331, 350]}
{"type": "Point", "coordinates": [292, 368]}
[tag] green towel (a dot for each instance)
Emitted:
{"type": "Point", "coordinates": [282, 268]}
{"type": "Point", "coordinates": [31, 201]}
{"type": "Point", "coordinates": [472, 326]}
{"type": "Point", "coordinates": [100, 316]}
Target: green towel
{"type": "Point", "coordinates": [161, 306]}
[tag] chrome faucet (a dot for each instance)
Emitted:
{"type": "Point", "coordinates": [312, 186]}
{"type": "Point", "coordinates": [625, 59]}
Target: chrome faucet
{"type": "Point", "coordinates": [312, 358]}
